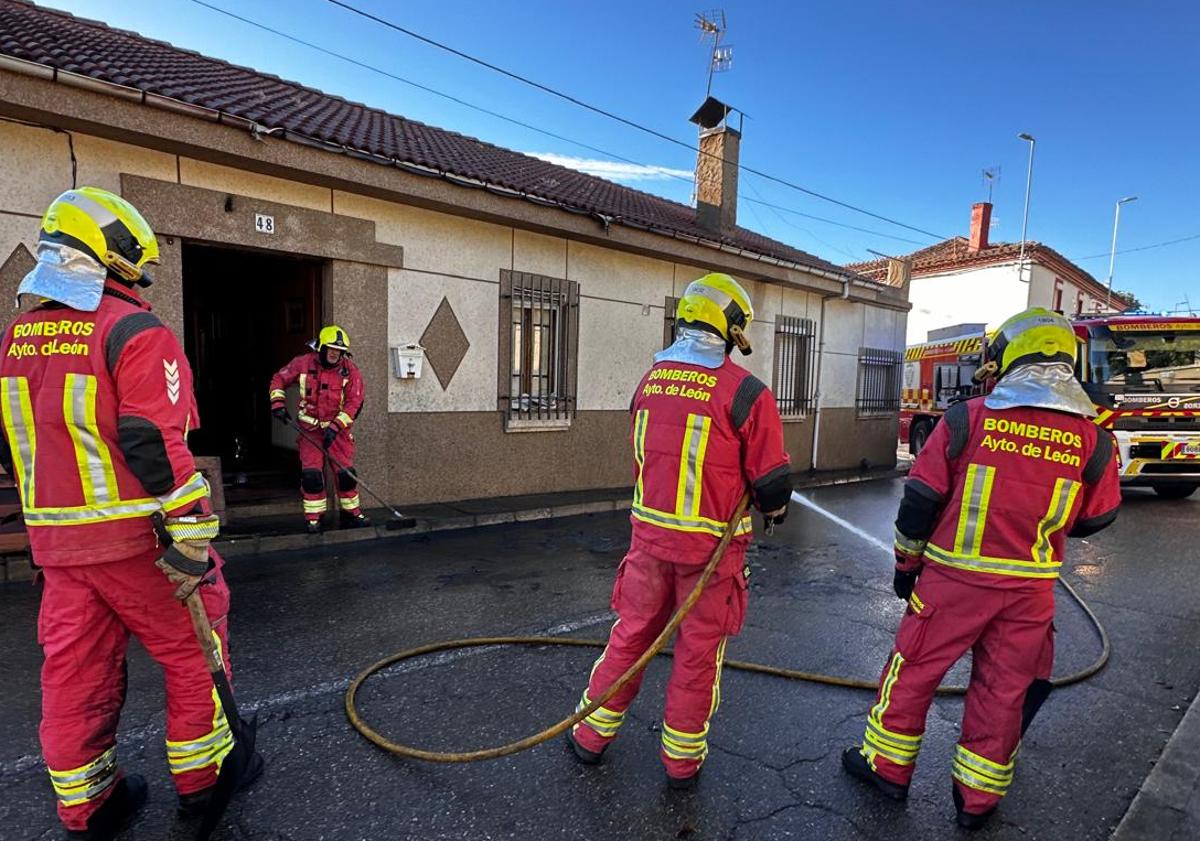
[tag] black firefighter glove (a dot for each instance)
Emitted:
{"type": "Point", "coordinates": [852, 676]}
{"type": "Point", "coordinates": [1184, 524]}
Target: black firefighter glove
{"type": "Point", "coordinates": [282, 415]}
{"type": "Point", "coordinates": [331, 432]}
{"type": "Point", "coordinates": [903, 583]}
{"type": "Point", "coordinates": [773, 518]}
{"type": "Point", "coordinates": [186, 560]}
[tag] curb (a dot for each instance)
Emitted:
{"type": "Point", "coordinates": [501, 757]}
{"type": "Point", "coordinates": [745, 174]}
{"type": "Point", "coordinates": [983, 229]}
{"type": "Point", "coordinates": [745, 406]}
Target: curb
{"type": "Point", "coordinates": [254, 545]}
{"type": "Point", "coordinates": [17, 568]}
{"type": "Point", "coordinates": [1167, 805]}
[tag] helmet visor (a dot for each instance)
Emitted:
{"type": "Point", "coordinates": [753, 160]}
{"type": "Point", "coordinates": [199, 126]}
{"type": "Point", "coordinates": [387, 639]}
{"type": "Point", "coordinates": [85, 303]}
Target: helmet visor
{"type": "Point", "coordinates": [66, 275]}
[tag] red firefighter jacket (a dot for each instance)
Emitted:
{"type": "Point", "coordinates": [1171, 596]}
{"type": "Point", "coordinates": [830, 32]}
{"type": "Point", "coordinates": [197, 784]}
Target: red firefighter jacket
{"type": "Point", "coordinates": [701, 437]}
{"type": "Point", "coordinates": [995, 493]}
{"type": "Point", "coordinates": [96, 408]}
{"type": "Point", "coordinates": [328, 396]}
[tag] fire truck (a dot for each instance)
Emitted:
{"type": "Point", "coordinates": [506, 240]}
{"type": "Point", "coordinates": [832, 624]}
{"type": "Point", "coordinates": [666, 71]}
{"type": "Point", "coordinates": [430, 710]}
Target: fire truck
{"type": "Point", "coordinates": [1141, 371]}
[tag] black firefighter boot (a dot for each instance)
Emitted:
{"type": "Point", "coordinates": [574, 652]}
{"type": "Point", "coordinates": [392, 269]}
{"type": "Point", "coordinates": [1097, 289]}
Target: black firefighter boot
{"type": "Point", "coordinates": [969, 820]}
{"type": "Point", "coordinates": [585, 756]}
{"type": "Point", "coordinates": [354, 520]}
{"type": "Point", "coordinates": [128, 796]}
{"type": "Point", "coordinates": [312, 527]}
{"type": "Point", "coordinates": [195, 804]}
{"type": "Point", "coordinates": [855, 764]}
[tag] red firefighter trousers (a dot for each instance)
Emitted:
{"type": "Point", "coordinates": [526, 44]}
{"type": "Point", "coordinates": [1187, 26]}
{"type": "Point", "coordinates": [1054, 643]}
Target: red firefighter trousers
{"type": "Point", "coordinates": [645, 595]}
{"type": "Point", "coordinates": [1009, 633]}
{"type": "Point", "coordinates": [86, 617]}
{"type": "Point", "coordinates": [312, 466]}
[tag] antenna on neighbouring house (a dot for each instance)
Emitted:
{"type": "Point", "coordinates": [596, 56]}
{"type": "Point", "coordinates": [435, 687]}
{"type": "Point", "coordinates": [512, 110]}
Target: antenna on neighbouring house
{"type": "Point", "coordinates": [712, 28]}
{"type": "Point", "coordinates": [991, 175]}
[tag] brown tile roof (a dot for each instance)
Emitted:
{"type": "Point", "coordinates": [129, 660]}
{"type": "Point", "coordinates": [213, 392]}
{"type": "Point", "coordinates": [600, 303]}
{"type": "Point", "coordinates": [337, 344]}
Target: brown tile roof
{"type": "Point", "coordinates": [954, 255]}
{"type": "Point", "coordinates": [91, 48]}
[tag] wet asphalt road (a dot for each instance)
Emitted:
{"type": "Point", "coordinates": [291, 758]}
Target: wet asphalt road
{"type": "Point", "coordinates": [821, 601]}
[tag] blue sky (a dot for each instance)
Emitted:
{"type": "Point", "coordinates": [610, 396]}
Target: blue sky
{"type": "Point", "coordinates": [894, 107]}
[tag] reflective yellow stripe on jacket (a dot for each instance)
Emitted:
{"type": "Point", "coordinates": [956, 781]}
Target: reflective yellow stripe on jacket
{"type": "Point", "coordinates": [690, 524]}
{"type": "Point", "coordinates": [1061, 504]}
{"type": "Point", "coordinates": [968, 541]}
{"type": "Point", "coordinates": [19, 429]}
{"type": "Point", "coordinates": [691, 466]}
{"type": "Point", "coordinates": [689, 485]}
{"type": "Point", "coordinates": [639, 451]}
{"type": "Point", "coordinates": [92, 456]}
{"type": "Point", "coordinates": [972, 519]}
{"type": "Point", "coordinates": [93, 460]}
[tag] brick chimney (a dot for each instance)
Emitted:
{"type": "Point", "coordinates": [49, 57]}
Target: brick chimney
{"type": "Point", "coordinates": [717, 178]}
{"type": "Point", "coordinates": [981, 221]}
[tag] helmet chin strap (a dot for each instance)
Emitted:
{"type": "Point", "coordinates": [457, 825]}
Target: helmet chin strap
{"type": "Point", "coordinates": [740, 339]}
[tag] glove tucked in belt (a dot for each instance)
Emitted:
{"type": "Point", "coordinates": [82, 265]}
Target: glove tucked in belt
{"type": "Point", "coordinates": [186, 559]}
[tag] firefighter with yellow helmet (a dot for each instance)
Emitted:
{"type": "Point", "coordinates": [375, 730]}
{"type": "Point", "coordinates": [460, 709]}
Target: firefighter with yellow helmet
{"type": "Point", "coordinates": [980, 539]}
{"type": "Point", "coordinates": [331, 397]}
{"type": "Point", "coordinates": [704, 430]}
{"type": "Point", "coordinates": [96, 402]}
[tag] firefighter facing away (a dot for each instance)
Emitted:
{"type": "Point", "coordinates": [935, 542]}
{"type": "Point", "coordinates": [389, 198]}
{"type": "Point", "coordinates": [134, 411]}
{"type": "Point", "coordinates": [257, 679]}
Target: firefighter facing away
{"type": "Point", "coordinates": [96, 398]}
{"type": "Point", "coordinates": [704, 430]}
{"type": "Point", "coordinates": [980, 538]}
{"type": "Point", "coordinates": [331, 396]}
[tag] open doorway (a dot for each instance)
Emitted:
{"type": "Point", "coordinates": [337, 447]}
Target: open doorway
{"type": "Point", "coordinates": [246, 313]}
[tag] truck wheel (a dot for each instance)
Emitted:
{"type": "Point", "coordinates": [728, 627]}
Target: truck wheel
{"type": "Point", "coordinates": [918, 435]}
{"type": "Point", "coordinates": [1175, 491]}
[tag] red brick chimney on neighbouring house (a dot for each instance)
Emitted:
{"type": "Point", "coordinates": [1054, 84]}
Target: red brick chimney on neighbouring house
{"type": "Point", "coordinates": [981, 220]}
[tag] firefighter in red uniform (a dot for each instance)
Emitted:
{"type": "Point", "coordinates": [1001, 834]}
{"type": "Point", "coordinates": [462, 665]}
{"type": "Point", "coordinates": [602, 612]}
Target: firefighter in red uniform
{"type": "Point", "coordinates": [704, 430]}
{"type": "Point", "coordinates": [331, 396]}
{"type": "Point", "coordinates": [987, 508]}
{"type": "Point", "coordinates": [96, 398]}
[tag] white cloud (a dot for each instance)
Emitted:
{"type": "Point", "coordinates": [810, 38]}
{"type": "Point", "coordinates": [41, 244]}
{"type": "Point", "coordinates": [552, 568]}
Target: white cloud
{"type": "Point", "coordinates": [613, 170]}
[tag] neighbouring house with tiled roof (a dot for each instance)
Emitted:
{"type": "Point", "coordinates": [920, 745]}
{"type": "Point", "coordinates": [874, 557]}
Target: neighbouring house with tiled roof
{"type": "Point", "coordinates": [529, 297]}
{"type": "Point", "coordinates": [969, 280]}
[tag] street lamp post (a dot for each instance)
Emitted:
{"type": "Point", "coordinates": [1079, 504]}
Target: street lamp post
{"type": "Point", "coordinates": [1025, 218]}
{"type": "Point", "coordinates": [1112, 254]}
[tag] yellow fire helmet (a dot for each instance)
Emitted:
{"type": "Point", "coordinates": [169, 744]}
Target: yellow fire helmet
{"type": "Point", "coordinates": [104, 226]}
{"type": "Point", "coordinates": [1035, 335]}
{"type": "Point", "coordinates": [334, 337]}
{"type": "Point", "coordinates": [719, 304]}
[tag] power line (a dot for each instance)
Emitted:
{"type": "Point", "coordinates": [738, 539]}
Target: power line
{"type": "Point", "coordinates": [1141, 248]}
{"type": "Point", "coordinates": [483, 110]}
{"type": "Point", "coordinates": [612, 116]}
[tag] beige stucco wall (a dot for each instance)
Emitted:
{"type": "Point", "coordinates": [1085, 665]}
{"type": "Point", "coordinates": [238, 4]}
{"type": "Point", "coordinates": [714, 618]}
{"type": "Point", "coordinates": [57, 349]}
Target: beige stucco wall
{"type": "Point", "coordinates": [36, 166]}
{"type": "Point", "coordinates": [241, 183]}
{"type": "Point", "coordinates": [459, 259]}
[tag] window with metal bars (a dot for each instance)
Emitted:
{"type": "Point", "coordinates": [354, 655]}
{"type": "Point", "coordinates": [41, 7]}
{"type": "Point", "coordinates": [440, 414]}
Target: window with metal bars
{"type": "Point", "coordinates": [879, 376]}
{"type": "Point", "coordinates": [669, 307]}
{"type": "Point", "coordinates": [539, 343]}
{"type": "Point", "coordinates": [795, 365]}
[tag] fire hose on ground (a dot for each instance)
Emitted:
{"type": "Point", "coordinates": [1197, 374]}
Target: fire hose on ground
{"type": "Point", "coordinates": [655, 649]}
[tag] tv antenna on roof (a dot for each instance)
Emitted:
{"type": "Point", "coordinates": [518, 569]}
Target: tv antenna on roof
{"type": "Point", "coordinates": [712, 28]}
{"type": "Point", "coordinates": [991, 175]}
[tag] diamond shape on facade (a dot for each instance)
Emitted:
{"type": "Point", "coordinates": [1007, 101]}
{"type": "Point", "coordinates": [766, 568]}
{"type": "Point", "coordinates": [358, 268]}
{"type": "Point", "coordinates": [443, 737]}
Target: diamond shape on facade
{"type": "Point", "coordinates": [445, 343]}
{"type": "Point", "coordinates": [14, 269]}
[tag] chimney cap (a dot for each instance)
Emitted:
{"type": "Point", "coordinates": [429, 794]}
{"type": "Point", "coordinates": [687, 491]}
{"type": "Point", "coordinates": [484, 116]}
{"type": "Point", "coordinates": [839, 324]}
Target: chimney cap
{"type": "Point", "coordinates": [711, 114]}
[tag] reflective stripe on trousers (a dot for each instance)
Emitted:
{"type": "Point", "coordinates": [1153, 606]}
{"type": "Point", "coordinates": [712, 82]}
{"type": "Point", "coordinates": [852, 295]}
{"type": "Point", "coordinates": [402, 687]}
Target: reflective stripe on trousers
{"type": "Point", "coordinates": [878, 740]}
{"type": "Point", "coordinates": [77, 786]}
{"type": "Point", "coordinates": [982, 774]}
